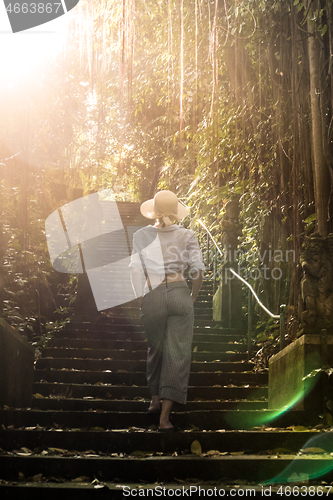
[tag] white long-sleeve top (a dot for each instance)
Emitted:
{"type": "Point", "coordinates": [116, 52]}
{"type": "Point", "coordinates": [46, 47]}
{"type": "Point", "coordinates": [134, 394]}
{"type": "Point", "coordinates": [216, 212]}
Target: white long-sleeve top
{"type": "Point", "coordinates": [166, 250]}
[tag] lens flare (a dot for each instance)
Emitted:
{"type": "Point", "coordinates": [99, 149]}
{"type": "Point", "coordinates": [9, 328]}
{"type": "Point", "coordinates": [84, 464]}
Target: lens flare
{"type": "Point", "coordinates": [239, 419]}
{"type": "Point", "coordinates": [26, 53]}
{"type": "Point", "coordinates": [321, 449]}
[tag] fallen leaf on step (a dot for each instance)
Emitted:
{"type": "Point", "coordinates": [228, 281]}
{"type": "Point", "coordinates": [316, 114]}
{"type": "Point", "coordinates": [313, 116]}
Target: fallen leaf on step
{"type": "Point", "coordinates": [25, 450]}
{"type": "Point", "coordinates": [193, 427]}
{"type": "Point", "coordinates": [313, 450]}
{"type": "Point", "coordinates": [282, 451]}
{"type": "Point", "coordinates": [101, 486]}
{"type": "Point", "coordinates": [37, 477]}
{"type": "Point", "coordinates": [211, 453]}
{"type": "Point", "coordinates": [298, 478]}
{"type": "Point", "coordinates": [298, 428]}
{"type": "Point", "coordinates": [81, 479]}
{"type": "Point", "coordinates": [196, 447]}
{"type": "Point", "coordinates": [141, 454]}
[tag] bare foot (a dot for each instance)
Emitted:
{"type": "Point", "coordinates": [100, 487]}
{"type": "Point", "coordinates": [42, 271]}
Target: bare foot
{"type": "Point", "coordinates": [164, 418]}
{"type": "Point", "coordinates": [166, 425]}
{"type": "Point", "coordinates": [154, 404]}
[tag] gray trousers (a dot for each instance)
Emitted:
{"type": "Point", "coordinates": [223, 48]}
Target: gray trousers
{"type": "Point", "coordinates": [168, 316]}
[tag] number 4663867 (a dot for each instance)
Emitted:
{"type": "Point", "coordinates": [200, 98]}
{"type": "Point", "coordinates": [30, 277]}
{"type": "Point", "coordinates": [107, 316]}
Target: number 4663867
{"type": "Point", "coordinates": [33, 8]}
{"type": "Point", "coordinates": [309, 491]}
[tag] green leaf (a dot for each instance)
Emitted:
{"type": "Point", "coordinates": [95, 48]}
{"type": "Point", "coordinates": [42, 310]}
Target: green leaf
{"type": "Point", "coordinates": [311, 218]}
{"type": "Point", "coordinates": [196, 448]}
{"type": "Point", "coordinates": [327, 369]}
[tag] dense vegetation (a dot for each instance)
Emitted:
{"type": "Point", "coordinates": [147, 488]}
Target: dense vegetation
{"type": "Point", "coordinates": [210, 98]}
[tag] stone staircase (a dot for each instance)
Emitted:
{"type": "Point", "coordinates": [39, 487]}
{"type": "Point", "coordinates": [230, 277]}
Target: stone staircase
{"type": "Point", "coordinates": [88, 424]}
{"type": "Point", "coordinates": [88, 431]}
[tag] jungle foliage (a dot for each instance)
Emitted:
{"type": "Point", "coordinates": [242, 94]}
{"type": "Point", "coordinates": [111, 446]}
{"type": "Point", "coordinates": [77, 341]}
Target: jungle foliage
{"type": "Point", "coordinates": [209, 98]}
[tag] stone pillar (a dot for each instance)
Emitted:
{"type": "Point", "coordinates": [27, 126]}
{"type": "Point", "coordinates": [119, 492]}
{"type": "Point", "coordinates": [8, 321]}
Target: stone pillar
{"type": "Point", "coordinates": [289, 386]}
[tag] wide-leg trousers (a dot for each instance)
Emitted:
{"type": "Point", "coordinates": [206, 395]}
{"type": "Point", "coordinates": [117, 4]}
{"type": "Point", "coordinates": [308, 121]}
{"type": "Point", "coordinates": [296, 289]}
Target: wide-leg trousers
{"type": "Point", "coordinates": [168, 317]}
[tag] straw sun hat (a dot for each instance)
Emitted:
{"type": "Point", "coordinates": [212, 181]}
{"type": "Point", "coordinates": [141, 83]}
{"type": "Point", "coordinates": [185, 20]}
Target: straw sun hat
{"type": "Point", "coordinates": [165, 203]}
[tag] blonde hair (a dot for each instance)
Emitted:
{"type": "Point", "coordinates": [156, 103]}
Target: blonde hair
{"type": "Point", "coordinates": [166, 220]}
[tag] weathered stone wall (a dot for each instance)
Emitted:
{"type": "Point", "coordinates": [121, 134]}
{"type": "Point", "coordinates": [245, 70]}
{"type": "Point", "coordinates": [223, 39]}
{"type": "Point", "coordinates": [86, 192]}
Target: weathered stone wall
{"type": "Point", "coordinates": [16, 368]}
{"type": "Point", "coordinates": [287, 369]}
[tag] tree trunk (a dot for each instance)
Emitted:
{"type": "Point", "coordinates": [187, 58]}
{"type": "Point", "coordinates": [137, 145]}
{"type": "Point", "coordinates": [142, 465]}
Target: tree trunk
{"type": "Point", "coordinates": [320, 167]}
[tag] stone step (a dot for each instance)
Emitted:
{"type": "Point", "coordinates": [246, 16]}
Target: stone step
{"type": "Point", "coordinates": [233, 354]}
{"type": "Point", "coordinates": [137, 378]}
{"type": "Point", "coordinates": [118, 392]}
{"type": "Point", "coordinates": [201, 316]}
{"type": "Point", "coordinates": [251, 468]}
{"type": "Point", "coordinates": [103, 322]}
{"type": "Point", "coordinates": [207, 286]}
{"type": "Point", "coordinates": [201, 302]}
{"type": "Point", "coordinates": [203, 313]}
{"type": "Point", "coordinates": [101, 331]}
{"type": "Point", "coordinates": [132, 366]}
{"type": "Point", "coordinates": [139, 345]}
{"type": "Point", "coordinates": [122, 440]}
{"type": "Point", "coordinates": [89, 415]}
{"type": "Point", "coordinates": [111, 489]}
{"type": "Point", "coordinates": [141, 404]}
{"type": "Point", "coordinates": [206, 323]}
{"type": "Point", "coordinates": [137, 335]}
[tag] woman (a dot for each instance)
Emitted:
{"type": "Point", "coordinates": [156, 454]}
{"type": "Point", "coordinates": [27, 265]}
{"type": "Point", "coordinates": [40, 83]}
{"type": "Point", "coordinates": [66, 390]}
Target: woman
{"type": "Point", "coordinates": [161, 254]}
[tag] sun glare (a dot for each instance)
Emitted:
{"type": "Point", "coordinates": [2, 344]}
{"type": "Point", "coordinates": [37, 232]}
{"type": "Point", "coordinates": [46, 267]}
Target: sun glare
{"type": "Point", "coordinates": [23, 54]}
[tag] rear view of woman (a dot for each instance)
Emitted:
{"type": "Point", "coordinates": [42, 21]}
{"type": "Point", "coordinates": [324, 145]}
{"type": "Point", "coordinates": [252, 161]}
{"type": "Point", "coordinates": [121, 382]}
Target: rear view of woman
{"type": "Point", "coordinates": [161, 254]}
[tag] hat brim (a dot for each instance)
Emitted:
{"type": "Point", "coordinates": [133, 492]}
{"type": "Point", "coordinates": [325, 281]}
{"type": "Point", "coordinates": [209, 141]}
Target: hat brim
{"type": "Point", "coordinates": [147, 210]}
